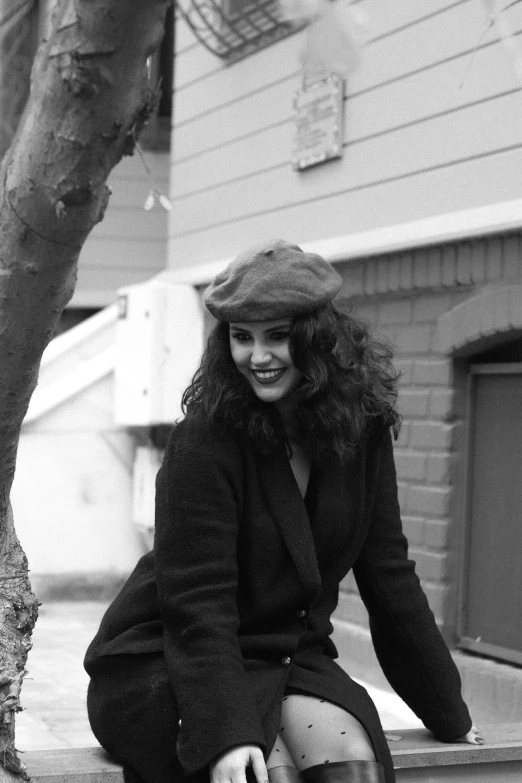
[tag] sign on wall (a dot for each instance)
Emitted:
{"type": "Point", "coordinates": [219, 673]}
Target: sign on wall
{"type": "Point", "coordinates": [318, 122]}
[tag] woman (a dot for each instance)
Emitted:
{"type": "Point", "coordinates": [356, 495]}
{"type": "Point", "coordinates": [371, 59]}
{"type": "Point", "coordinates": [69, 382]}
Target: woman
{"type": "Point", "coordinates": [216, 658]}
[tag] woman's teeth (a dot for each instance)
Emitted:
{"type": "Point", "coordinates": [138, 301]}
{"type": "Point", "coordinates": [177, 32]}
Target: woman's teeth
{"type": "Point", "coordinates": [268, 374]}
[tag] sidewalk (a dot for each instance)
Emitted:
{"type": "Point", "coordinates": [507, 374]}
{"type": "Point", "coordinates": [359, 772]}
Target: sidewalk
{"type": "Point", "coordinates": [54, 691]}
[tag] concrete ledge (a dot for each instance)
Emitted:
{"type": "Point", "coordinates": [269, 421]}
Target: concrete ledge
{"type": "Point", "coordinates": [417, 757]}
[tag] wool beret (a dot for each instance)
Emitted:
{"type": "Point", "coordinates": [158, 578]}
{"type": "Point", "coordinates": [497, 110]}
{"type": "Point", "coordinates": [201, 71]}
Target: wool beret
{"type": "Point", "coordinates": [269, 281]}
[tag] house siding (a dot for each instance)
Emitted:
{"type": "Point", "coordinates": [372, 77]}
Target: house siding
{"type": "Point", "coordinates": [431, 126]}
{"type": "Point", "coordinates": [129, 245]}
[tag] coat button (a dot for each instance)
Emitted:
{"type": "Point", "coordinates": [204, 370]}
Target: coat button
{"type": "Point", "coordinates": [179, 722]}
{"type": "Point", "coordinates": [301, 613]}
{"type": "Point", "coordinates": [286, 660]}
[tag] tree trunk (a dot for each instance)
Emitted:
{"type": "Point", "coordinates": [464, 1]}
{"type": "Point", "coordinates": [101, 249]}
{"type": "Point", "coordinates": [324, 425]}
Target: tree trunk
{"type": "Point", "coordinates": [17, 47]}
{"type": "Point", "coordinates": [89, 98]}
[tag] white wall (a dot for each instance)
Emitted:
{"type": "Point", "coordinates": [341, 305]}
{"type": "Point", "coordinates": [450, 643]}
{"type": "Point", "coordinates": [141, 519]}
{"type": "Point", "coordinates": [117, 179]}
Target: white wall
{"type": "Point", "coordinates": [72, 491]}
{"type": "Point", "coordinates": [417, 143]}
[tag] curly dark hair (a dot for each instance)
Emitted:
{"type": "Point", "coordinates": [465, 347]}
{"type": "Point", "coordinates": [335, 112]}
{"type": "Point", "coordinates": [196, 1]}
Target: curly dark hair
{"type": "Point", "coordinates": [348, 382]}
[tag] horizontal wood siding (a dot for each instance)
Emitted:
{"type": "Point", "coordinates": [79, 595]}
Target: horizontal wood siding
{"type": "Point", "coordinates": [431, 126]}
{"type": "Point", "coordinates": [129, 245]}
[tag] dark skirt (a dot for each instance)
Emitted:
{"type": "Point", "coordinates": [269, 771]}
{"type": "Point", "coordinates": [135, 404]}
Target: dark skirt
{"type": "Point", "coordinates": [133, 712]}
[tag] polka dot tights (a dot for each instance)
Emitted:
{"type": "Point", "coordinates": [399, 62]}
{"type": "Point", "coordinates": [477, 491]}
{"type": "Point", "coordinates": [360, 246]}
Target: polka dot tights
{"type": "Point", "coordinates": [314, 731]}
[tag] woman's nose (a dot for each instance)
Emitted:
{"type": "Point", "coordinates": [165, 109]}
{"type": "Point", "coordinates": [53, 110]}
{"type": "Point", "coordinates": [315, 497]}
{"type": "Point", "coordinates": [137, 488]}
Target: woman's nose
{"type": "Point", "coordinates": [260, 355]}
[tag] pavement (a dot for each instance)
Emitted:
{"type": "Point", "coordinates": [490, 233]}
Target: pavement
{"type": "Point", "coordinates": [54, 691]}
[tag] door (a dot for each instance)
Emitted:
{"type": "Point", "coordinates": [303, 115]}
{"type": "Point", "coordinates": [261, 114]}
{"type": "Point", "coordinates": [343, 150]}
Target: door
{"type": "Point", "coordinates": [491, 619]}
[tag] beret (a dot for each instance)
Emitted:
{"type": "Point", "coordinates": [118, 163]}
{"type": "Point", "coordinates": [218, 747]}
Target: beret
{"type": "Point", "coordinates": [269, 281]}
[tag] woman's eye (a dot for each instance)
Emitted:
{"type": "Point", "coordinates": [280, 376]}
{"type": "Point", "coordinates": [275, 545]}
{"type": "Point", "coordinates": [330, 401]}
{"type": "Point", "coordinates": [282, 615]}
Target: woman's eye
{"type": "Point", "coordinates": [240, 337]}
{"type": "Point", "coordinates": [280, 336]}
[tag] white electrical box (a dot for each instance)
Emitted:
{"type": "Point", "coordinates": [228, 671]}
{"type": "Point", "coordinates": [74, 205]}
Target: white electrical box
{"type": "Point", "coordinates": [159, 342]}
{"type": "Point", "coordinates": [147, 462]}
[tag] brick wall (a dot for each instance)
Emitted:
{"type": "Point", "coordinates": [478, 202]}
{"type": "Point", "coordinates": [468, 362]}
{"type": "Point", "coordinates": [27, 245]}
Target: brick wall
{"type": "Point", "coordinates": [434, 305]}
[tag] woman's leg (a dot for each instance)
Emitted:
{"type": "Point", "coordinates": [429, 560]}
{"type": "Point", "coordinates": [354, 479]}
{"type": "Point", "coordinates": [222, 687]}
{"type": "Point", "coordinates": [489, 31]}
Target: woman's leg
{"type": "Point", "coordinates": [316, 731]}
{"type": "Point", "coordinates": [280, 755]}
{"type": "Point", "coordinates": [280, 764]}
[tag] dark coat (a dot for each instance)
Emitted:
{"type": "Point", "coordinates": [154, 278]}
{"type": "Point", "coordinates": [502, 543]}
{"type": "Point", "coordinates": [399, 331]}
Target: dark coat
{"type": "Point", "coordinates": [239, 590]}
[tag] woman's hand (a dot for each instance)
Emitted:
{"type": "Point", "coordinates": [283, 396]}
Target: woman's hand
{"type": "Point", "coordinates": [231, 766]}
{"type": "Point", "coordinates": [472, 737]}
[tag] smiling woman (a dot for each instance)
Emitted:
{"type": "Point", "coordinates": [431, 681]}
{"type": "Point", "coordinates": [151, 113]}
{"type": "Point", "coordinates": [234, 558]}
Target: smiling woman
{"type": "Point", "coordinates": [261, 352]}
{"type": "Point", "coordinates": [278, 482]}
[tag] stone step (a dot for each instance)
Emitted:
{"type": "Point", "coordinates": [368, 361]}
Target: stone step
{"type": "Point", "coordinates": [418, 758]}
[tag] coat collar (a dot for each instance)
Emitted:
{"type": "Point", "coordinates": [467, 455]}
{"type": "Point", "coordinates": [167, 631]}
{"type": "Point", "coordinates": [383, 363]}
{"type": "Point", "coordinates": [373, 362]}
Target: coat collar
{"type": "Point", "coordinates": [339, 502]}
{"type": "Point", "coordinates": [289, 511]}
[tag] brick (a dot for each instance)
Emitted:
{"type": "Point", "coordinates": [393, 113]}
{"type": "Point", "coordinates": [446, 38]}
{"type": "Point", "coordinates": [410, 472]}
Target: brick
{"type": "Point", "coordinates": [430, 307]}
{"type": "Point", "coordinates": [431, 435]}
{"type": "Point", "coordinates": [478, 261]}
{"type": "Point", "coordinates": [414, 339]}
{"type": "Point", "coordinates": [404, 435]}
{"type": "Point", "coordinates": [515, 306]}
{"type": "Point", "coordinates": [442, 404]}
{"type": "Point", "coordinates": [464, 263]}
{"type": "Point", "coordinates": [366, 312]}
{"type": "Point", "coordinates": [499, 299]}
{"type": "Point", "coordinates": [511, 258]}
{"type": "Point", "coordinates": [382, 275]}
{"type": "Point", "coordinates": [443, 338]}
{"type": "Point", "coordinates": [449, 261]}
{"type": "Point", "coordinates": [402, 490]}
{"type": "Point", "coordinates": [471, 321]}
{"type": "Point", "coordinates": [420, 268]}
{"type": "Point", "coordinates": [398, 311]}
{"type": "Point", "coordinates": [406, 271]}
{"type": "Point", "coordinates": [394, 273]}
{"type": "Point", "coordinates": [436, 533]}
{"type": "Point", "coordinates": [486, 315]}
{"type": "Point", "coordinates": [437, 596]}
{"type": "Point", "coordinates": [429, 501]}
{"type": "Point", "coordinates": [430, 566]}
{"type": "Point", "coordinates": [405, 368]}
{"type": "Point", "coordinates": [370, 277]}
{"type": "Point", "coordinates": [413, 529]}
{"type": "Point", "coordinates": [435, 267]}
{"type": "Point", "coordinates": [458, 318]}
{"type": "Point", "coordinates": [440, 467]}
{"type": "Point", "coordinates": [414, 403]}
{"type": "Point", "coordinates": [493, 259]}
{"type": "Point", "coordinates": [435, 372]}
{"type": "Point", "coordinates": [353, 278]}
{"type": "Point", "coordinates": [410, 464]}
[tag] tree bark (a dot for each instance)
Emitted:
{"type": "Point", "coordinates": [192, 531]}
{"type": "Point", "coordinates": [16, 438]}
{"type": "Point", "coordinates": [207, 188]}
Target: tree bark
{"type": "Point", "coordinates": [17, 48]}
{"type": "Point", "coordinates": [90, 97]}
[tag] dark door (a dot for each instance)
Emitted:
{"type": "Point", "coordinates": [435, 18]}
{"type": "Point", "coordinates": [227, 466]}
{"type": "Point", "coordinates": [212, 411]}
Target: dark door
{"type": "Point", "coordinates": [492, 608]}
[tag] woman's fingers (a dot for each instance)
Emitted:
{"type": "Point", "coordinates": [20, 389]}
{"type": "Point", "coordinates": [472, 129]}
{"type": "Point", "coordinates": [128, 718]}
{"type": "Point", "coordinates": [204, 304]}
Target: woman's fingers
{"type": "Point", "coordinates": [231, 766]}
{"type": "Point", "coordinates": [258, 766]}
{"type": "Point", "coordinates": [473, 737]}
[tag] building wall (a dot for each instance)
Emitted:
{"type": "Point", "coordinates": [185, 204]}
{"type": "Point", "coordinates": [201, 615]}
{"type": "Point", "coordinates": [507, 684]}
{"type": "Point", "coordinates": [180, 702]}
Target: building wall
{"type": "Point", "coordinates": [130, 244]}
{"type": "Point", "coordinates": [437, 306]}
{"type": "Point", "coordinates": [72, 498]}
{"type": "Point", "coordinates": [431, 126]}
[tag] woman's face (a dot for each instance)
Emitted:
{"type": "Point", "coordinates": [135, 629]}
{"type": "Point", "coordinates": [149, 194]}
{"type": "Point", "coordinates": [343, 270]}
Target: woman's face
{"type": "Point", "coordinates": [261, 352]}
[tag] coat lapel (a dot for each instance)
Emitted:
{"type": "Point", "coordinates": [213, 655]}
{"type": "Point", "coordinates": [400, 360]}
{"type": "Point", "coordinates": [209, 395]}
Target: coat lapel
{"type": "Point", "coordinates": [337, 518]}
{"type": "Point", "coordinates": [289, 511]}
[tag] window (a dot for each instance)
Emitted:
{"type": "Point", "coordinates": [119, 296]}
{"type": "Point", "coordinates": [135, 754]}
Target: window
{"type": "Point", "coordinates": [491, 621]}
{"type": "Point", "coordinates": [232, 29]}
